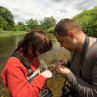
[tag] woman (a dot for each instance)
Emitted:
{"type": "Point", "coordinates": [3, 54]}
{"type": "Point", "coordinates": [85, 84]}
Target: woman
{"type": "Point", "coordinates": [14, 74]}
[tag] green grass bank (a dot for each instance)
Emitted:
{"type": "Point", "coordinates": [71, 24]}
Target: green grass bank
{"type": "Point", "coordinates": [10, 33]}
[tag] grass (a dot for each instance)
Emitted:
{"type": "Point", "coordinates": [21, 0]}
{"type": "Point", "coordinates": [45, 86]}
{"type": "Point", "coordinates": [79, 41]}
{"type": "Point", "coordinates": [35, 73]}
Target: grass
{"type": "Point", "coordinates": [10, 33]}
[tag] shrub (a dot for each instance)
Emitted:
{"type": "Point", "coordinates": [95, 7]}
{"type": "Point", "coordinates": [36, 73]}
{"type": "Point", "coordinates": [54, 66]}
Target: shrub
{"type": "Point", "coordinates": [51, 29]}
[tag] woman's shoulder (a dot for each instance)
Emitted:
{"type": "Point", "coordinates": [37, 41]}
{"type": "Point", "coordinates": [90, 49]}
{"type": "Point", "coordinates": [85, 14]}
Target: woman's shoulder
{"type": "Point", "coordinates": [13, 62]}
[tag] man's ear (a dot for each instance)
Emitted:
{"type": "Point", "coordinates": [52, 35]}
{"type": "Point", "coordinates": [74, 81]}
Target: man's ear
{"type": "Point", "coordinates": [71, 34]}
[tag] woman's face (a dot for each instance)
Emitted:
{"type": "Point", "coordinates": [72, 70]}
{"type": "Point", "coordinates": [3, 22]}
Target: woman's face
{"type": "Point", "coordinates": [36, 53]}
{"type": "Point", "coordinates": [39, 52]}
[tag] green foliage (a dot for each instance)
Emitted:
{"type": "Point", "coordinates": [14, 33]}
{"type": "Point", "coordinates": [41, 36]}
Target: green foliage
{"type": "Point", "coordinates": [88, 21]}
{"type": "Point", "coordinates": [32, 24]}
{"type": "Point", "coordinates": [3, 23]}
{"type": "Point", "coordinates": [21, 27]}
{"type": "Point", "coordinates": [51, 29]}
{"type": "Point", "coordinates": [1, 29]}
{"type": "Point", "coordinates": [8, 17]}
{"type": "Point", "coordinates": [48, 22]}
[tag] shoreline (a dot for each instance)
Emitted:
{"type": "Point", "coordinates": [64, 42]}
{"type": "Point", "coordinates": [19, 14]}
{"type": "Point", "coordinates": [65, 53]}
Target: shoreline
{"type": "Point", "coordinates": [11, 33]}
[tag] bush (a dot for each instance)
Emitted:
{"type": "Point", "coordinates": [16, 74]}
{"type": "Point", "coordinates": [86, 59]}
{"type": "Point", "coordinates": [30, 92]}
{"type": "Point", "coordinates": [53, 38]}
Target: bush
{"type": "Point", "coordinates": [1, 29]}
{"type": "Point", "coordinates": [51, 30]}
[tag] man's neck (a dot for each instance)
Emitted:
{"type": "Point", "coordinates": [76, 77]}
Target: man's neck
{"type": "Point", "coordinates": [80, 42]}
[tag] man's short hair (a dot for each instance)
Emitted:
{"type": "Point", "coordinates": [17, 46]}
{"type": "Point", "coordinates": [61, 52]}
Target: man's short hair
{"type": "Point", "coordinates": [65, 25]}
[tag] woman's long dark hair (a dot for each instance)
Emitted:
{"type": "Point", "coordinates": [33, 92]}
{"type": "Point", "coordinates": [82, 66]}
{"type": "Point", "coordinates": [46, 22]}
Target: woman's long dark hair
{"type": "Point", "coordinates": [37, 39]}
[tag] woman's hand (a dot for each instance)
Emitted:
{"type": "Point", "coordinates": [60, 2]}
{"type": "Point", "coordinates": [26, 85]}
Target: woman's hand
{"type": "Point", "coordinates": [47, 74]}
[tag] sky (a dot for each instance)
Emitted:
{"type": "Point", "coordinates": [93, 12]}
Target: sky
{"type": "Point", "coordinates": [23, 10]}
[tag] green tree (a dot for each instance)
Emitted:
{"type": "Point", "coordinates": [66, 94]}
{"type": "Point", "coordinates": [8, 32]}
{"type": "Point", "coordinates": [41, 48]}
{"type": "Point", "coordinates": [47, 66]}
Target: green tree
{"type": "Point", "coordinates": [32, 24]}
{"type": "Point", "coordinates": [48, 22]}
{"type": "Point", "coordinates": [51, 29]}
{"type": "Point", "coordinates": [3, 23]}
{"type": "Point", "coordinates": [21, 27]}
{"type": "Point", "coordinates": [7, 15]}
{"type": "Point", "coordinates": [88, 21]}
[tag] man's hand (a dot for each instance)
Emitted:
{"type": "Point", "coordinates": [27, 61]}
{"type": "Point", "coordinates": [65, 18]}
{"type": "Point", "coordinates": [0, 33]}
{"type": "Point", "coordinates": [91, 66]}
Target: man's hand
{"type": "Point", "coordinates": [62, 70]}
{"type": "Point", "coordinates": [62, 62]}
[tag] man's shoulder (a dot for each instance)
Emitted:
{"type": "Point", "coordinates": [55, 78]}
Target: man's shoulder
{"type": "Point", "coordinates": [93, 47]}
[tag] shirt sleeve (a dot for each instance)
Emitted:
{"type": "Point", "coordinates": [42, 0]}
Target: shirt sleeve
{"type": "Point", "coordinates": [82, 87]}
{"type": "Point", "coordinates": [18, 85]}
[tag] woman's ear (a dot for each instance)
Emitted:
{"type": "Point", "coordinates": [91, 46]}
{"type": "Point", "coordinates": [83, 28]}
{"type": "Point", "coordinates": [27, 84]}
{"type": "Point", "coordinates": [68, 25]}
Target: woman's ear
{"type": "Point", "coordinates": [71, 34]}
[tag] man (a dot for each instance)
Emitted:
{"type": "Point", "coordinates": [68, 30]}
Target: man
{"type": "Point", "coordinates": [82, 74]}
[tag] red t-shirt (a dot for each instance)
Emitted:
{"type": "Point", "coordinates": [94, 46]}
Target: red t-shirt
{"type": "Point", "coordinates": [14, 77]}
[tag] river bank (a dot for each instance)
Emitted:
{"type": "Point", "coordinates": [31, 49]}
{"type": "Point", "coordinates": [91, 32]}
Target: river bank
{"type": "Point", "coordinates": [14, 33]}
{"type": "Point", "coordinates": [11, 33]}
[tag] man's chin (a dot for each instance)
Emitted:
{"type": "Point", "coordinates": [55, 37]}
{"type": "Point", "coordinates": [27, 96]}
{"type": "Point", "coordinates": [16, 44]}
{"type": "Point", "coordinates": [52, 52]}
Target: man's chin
{"type": "Point", "coordinates": [69, 50]}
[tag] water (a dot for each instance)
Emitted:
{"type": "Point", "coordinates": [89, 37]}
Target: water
{"type": "Point", "coordinates": [7, 46]}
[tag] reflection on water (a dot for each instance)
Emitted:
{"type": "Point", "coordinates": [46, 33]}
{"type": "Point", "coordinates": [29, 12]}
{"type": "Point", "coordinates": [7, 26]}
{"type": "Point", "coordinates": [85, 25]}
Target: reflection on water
{"type": "Point", "coordinates": [7, 46]}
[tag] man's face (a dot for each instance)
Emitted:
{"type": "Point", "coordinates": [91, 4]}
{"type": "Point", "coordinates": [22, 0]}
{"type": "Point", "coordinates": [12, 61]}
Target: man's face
{"type": "Point", "coordinates": [66, 42]}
